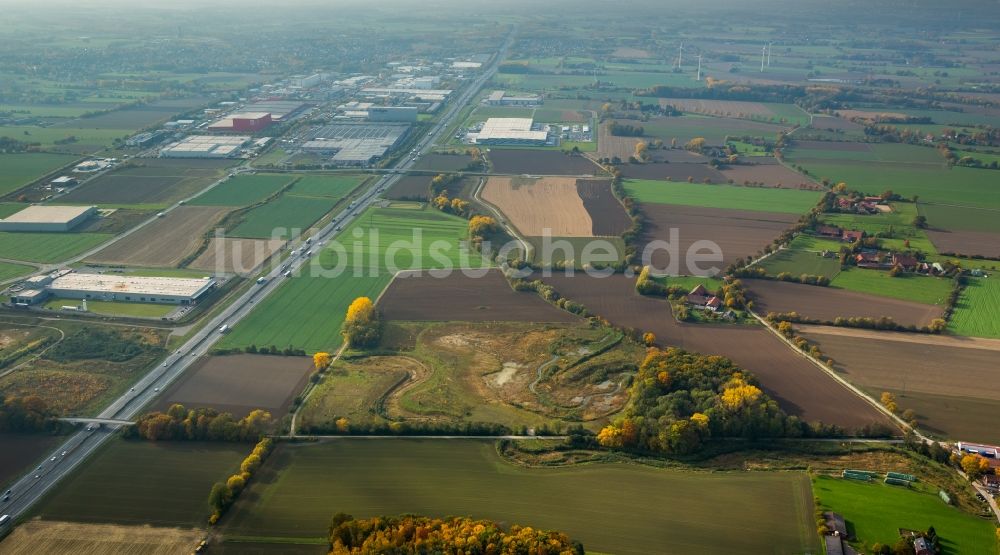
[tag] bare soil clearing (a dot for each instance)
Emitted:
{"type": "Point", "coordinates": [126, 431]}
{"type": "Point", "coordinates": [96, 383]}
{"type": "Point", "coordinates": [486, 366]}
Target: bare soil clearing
{"type": "Point", "coordinates": [229, 255]}
{"type": "Point", "coordinates": [680, 171]}
{"type": "Point", "coordinates": [240, 384]}
{"type": "Point", "coordinates": [827, 304]}
{"type": "Point", "coordinates": [608, 214]}
{"type": "Point", "coordinates": [774, 175]}
{"type": "Point", "coordinates": [458, 297]}
{"type": "Point", "coordinates": [738, 233]}
{"type": "Point", "coordinates": [165, 242]}
{"type": "Point", "coordinates": [43, 536]}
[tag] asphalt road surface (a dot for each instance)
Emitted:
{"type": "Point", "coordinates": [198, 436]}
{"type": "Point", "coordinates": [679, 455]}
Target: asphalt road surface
{"type": "Point", "coordinates": [78, 446]}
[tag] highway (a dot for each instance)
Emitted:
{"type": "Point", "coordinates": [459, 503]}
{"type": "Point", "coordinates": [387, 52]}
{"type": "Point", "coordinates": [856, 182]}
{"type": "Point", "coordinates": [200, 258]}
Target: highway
{"type": "Point", "coordinates": [30, 488]}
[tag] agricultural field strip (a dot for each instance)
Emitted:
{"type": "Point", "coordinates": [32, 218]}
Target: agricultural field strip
{"type": "Point", "coordinates": [903, 337]}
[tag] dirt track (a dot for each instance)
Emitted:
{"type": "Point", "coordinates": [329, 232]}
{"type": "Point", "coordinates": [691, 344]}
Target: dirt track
{"type": "Point", "coordinates": [800, 387]}
{"type": "Point", "coordinates": [165, 242]}
{"type": "Point", "coordinates": [827, 304]}
{"type": "Point", "coordinates": [462, 298]}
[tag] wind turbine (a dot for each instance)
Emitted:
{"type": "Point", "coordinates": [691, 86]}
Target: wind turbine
{"type": "Point", "coordinates": [680, 55]}
{"type": "Point", "coordinates": [763, 55]}
{"type": "Point", "coordinates": [699, 68]}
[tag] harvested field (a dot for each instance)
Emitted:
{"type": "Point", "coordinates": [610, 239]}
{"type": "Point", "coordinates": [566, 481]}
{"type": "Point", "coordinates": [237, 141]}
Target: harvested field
{"type": "Point", "coordinates": [833, 146]}
{"type": "Point", "coordinates": [536, 205]}
{"type": "Point", "coordinates": [156, 181]}
{"type": "Point", "coordinates": [675, 172]}
{"type": "Point", "coordinates": [238, 256]}
{"type": "Point", "coordinates": [443, 162]}
{"type": "Point", "coordinates": [240, 384]}
{"type": "Point", "coordinates": [738, 233]}
{"type": "Point", "coordinates": [827, 304]}
{"type": "Point", "coordinates": [43, 536]}
{"type": "Point", "coordinates": [165, 242]}
{"type": "Point", "coordinates": [459, 297]}
{"type": "Point", "coordinates": [774, 175]}
{"type": "Point", "coordinates": [794, 382]}
{"type": "Point", "coordinates": [540, 162]}
{"type": "Point", "coordinates": [410, 187]}
{"type": "Point", "coordinates": [21, 451]}
{"type": "Point", "coordinates": [950, 401]}
{"type": "Point", "coordinates": [834, 123]}
{"type": "Point", "coordinates": [608, 214]}
{"type": "Point", "coordinates": [966, 242]}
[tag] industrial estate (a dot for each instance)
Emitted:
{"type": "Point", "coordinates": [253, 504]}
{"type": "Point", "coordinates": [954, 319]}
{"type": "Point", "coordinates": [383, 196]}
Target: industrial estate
{"type": "Point", "coordinates": [476, 278]}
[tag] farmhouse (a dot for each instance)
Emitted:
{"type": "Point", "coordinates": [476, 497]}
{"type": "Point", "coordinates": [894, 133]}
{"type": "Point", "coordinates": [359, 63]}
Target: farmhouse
{"type": "Point", "coordinates": [510, 131]}
{"type": "Point", "coordinates": [699, 297]}
{"type": "Point", "coordinates": [850, 236]}
{"type": "Point", "coordinates": [868, 260]}
{"type": "Point", "coordinates": [905, 261]}
{"type": "Point", "coordinates": [47, 218]}
{"type": "Point", "coordinates": [829, 231]}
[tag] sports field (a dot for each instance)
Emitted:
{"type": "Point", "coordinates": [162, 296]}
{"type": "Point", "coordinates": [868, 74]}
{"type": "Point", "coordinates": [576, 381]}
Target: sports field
{"type": "Point", "coordinates": [140, 482]}
{"type": "Point", "coordinates": [306, 312]}
{"type": "Point", "coordinates": [791, 201]}
{"type": "Point", "coordinates": [908, 287]}
{"type": "Point", "coordinates": [47, 247]}
{"type": "Point", "coordinates": [18, 170]}
{"type": "Point", "coordinates": [875, 512]}
{"type": "Point", "coordinates": [975, 313]}
{"type": "Point", "coordinates": [243, 190]}
{"type": "Point", "coordinates": [614, 508]}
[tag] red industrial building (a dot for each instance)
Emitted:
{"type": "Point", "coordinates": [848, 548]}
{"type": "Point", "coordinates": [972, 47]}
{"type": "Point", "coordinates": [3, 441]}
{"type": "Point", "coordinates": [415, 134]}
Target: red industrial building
{"type": "Point", "coordinates": [247, 122]}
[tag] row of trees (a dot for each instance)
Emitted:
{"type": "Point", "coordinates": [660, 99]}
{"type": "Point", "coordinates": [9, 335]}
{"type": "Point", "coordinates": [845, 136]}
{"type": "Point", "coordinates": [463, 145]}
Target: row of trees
{"type": "Point", "coordinates": [222, 495]}
{"type": "Point", "coordinates": [419, 534]}
{"type": "Point", "coordinates": [182, 424]}
{"type": "Point", "coordinates": [362, 326]}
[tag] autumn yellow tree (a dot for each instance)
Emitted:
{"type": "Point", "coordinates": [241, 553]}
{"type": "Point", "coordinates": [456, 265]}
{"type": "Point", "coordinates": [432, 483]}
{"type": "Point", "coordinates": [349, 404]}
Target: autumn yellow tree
{"type": "Point", "coordinates": [482, 226]}
{"type": "Point", "coordinates": [738, 394]}
{"type": "Point", "coordinates": [975, 466]}
{"type": "Point", "coordinates": [696, 144]}
{"type": "Point", "coordinates": [343, 425]}
{"type": "Point", "coordinates": [362, 326]}
{"type": "Point", "coordinates": [321, 360]}
{"type": "Point", "coordinates": [649, 338]}
{"type": "Point", "coordinates": [640, 150]}
{"type": "Point", "coordinates": [889, 402]}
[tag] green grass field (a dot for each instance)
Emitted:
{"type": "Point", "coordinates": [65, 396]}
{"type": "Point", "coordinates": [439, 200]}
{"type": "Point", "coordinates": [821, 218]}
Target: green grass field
{"type": "Point", "coordinates": [10, 271]}
{"type": "Point", "coordinates": [332, 186]}
{"type": "Point", "coordinates": [243, 190]}
{"type": "Point", "coordinates": [90, 139]}
{"type": "Point", "coordinates": [306, 312]}
{"type": "Point", "coordinates": [791, 201]}
{"type": "Point", "coordinates": [961, 218]}
{"type": "Point", "coordinates": [109, 308]}
{"type": "Point", "coordinates": [798, 262]}
{"type": "Point", "coordinates": [403, 239]}
{"type": "Point", "coordinates": [277, 217]}
{"type": "Point", "coordinates": [976, 313]}
{"type": "Point", "coordinates": [18, 170]}
{"type": "Point", "coordinates": [932, 183]}
{"type": "Point", "coordinates": [875, 511]}
{"type": "Point", "coordinates": [908, 287]}
{"type": "Point", "coordinates": [612, 508]}
{"type": "Point", "coordinates": [898, 224]}
{"type": "Point", "coordinates": [47, 247]}
{"type": "Point", "coordinates": [138, 482]}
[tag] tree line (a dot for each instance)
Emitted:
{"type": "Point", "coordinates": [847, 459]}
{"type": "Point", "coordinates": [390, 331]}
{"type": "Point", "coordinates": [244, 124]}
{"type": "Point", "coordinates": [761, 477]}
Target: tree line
{"type": "Point", "coordinates": [419, 534]}
{"type": "Point", "coordinates": [204, 424]}
{"type": "Point", "coordinates": [223, 495]}
{"type": "Point", "coordinates": [27, 414]}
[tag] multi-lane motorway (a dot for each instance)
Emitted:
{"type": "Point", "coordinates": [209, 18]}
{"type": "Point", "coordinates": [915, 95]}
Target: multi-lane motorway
{"type": "Point", "coordinates": [67, 456]}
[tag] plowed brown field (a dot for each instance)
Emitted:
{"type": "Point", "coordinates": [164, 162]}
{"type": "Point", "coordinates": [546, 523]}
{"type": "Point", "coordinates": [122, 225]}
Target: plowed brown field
{"type": "Point", "coordinates": [827, 304]}
{"type": "Point", "coordinates": [165, 242]}
{"type": "Point", "coordinates": [536, 205]}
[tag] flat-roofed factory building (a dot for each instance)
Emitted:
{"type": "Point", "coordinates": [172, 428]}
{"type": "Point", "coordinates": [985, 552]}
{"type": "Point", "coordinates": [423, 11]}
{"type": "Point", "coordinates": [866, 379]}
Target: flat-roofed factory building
{"type": "Point", "coordinates": [104, 287]}
{"type": "Point", "coordinates": [510, 131]}
{"type": "Point", "coordinates": [47, 218]}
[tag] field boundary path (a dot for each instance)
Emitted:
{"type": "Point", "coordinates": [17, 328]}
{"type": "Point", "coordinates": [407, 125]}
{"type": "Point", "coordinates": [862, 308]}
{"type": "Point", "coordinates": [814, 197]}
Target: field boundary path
{"type": "Point", "coordinates": [33, 485]}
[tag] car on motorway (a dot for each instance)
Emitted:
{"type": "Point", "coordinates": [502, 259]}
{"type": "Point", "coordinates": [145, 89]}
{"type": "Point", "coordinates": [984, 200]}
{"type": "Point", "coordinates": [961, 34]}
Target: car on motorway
{"type": "Point", "coordinates": [287, 273]}
{"type": "Point", "coordinates": [156, 389]}
{"type": "Point", "coordinates": [53, 459]}
{"type": "Point", "coordinates": [64, 453]}
{"type": "Point", "coordinates": [4, 520]}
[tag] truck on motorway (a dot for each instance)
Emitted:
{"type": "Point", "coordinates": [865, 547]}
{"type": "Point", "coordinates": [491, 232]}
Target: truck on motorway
{"type": "Point", "coordinates": [224, 328]}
